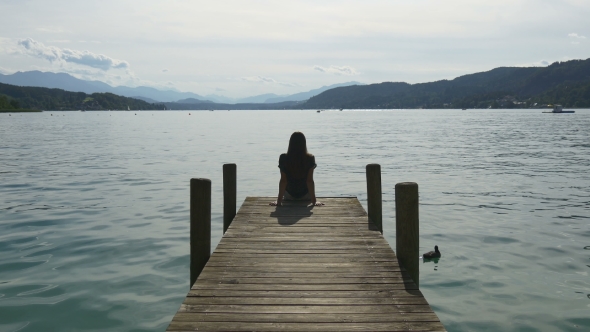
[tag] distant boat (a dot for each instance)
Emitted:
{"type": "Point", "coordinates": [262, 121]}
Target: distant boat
{"type": "Point", "coordinates": [464, 109]}
{"type": "Point", "coordinates": [128, 108]}
{"type": "Point", "coordinates": [319, 111]}
{"type": "Point", "coordinates": [559, 109]}
{"type": "Point", "coordinates": [341, 109]}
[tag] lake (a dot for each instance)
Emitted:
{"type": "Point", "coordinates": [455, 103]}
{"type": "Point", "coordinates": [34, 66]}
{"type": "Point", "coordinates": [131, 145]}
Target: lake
{"type": "Point", "coordinates": [94, 207]}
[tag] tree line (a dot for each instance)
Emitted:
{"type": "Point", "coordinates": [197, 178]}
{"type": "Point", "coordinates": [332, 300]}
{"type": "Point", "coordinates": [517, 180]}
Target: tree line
{"type": "Point", "coordinates": [16, 97]}
{"type": "Point", "coordinates": [566, 83]}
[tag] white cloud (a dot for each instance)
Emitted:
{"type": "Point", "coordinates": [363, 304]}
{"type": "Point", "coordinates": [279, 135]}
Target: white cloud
{"type": "Point", "coordinates": [267, 80]}
{"type": "Point", "coordinates": [542, 63]}
{"type": "Point", "coordinates": [575, 38]}
{"type": "Point", "coordinates": [259, 79]}
{"type": "Point", "coordinates": [56, 54]}
{"type": "Point", "coordinates": [337, 70]}
{"type": "Point", "coordinates": [6, 71]}
{"type": "Point", "coordinates": [58, 30]}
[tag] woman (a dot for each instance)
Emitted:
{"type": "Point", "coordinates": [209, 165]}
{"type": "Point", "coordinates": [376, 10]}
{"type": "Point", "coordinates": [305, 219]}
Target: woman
{"type": "Point", "coordinates": [297, 167]}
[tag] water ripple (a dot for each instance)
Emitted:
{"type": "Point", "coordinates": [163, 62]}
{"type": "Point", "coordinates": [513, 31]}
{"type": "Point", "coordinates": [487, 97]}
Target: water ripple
{"type": "Point", "coordinates": [94, 209]}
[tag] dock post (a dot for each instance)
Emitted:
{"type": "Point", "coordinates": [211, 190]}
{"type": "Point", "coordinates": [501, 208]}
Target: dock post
{"type": "Point", "coordinates": [406, 226]}
{"type": "Point", "coordinates": [374, 199]}
{"type": "Point", "coordinates": [229, 194]}
{"type": "Point", "coordinates": [200, 228]}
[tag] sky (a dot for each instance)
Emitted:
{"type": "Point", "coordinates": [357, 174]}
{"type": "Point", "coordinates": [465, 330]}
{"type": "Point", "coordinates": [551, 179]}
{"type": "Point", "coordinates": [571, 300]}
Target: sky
{"type": "Point", "coordinates": [239, 48]}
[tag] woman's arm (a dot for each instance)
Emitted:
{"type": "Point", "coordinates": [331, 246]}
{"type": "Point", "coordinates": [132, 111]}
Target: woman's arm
{"type": "Point", "coordinates": [282, 188]}
{"type": "Point", "coordinates": [311, 188]}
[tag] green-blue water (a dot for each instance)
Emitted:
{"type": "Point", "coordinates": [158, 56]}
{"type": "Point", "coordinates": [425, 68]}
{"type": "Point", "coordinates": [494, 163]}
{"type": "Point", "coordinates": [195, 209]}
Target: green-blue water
{"type": "Point", "coordinates": [94, 207]}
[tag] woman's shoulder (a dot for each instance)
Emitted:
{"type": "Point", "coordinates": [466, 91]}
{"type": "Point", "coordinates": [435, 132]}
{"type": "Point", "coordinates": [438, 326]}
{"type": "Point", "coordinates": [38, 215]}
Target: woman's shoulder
{"type": "Point", "coordinates": [311, 160]}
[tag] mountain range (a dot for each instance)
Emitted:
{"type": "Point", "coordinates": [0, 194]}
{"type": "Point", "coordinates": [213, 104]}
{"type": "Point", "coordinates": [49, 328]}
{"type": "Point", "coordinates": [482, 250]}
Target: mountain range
{"type": "Point", "coordinates": [566, 83]}
{"type": "Point", "coordinates": [14, 97]}
{"type": "Point", "coordinates": [151, 95]}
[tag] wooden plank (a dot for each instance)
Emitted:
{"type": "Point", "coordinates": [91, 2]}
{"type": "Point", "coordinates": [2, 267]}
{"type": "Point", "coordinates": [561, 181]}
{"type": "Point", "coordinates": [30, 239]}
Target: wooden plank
{"type": "Point", "coordinates": [305, 318]}
{"type": "Point", "coordinates": [303, 281]}
{"type": "Point", "coordinates": [307, 309]}
{"type": "Point", "coordinates": [319, 257]}
{"type": "Point", "coordinates": [265, 274]}
{"type": "Point", "coordinates": [304, 327]}
{"type": "Point", "coordinates": [299, 287]}
{"type": "Point", "coordinates": [193, 300]}
{"type": "Point", "coordinates": [304, 268]}
{"type": "Point", "coordinates": [393, 293]}
{"type": "Point", "coordinates": [298, 250]}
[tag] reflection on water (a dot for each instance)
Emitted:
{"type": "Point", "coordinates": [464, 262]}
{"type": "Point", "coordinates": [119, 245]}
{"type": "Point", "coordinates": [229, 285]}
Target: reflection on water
{"type": "Point", "coordinates": [94, 208]}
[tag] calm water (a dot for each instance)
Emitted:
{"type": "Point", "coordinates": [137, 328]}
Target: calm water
{"type": "Point", "coordinates": [94, 207]}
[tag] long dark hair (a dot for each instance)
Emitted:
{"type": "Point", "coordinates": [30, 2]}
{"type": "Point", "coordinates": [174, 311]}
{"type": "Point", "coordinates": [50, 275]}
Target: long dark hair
{"type": "Point", "coordinates": [298, 155]}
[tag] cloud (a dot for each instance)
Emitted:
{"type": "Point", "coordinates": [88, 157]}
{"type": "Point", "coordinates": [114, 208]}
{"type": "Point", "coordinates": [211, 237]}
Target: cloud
{"type": "Point", "coordinates": [51, 30]}
{"type": "Point", "coordinates": [267, 80]}
{"type": "Point", "coordinates": [337, 70]}
{"type": "Point", "coordinates": [6, 71]}
{"type": "Point", "coordinates": [541, 63]}
{"type": "Point", "coordinates": [84, 58]}
{"type": "Point", "coordinates": [259, 79]}
{"type": "Point", "coordinates": [575, 38]}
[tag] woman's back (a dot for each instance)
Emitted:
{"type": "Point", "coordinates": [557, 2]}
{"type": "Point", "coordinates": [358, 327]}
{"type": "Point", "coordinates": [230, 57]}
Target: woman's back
{"type": "Point", "coordinates": [297, 170]}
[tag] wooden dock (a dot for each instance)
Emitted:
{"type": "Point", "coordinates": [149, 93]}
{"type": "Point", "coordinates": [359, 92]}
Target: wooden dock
{"type": "Point", "coordinates": [300, 268]}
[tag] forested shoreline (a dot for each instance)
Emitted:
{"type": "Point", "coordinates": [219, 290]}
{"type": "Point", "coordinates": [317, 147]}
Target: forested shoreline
{"type": "Point", "coordinates": [17, 97]}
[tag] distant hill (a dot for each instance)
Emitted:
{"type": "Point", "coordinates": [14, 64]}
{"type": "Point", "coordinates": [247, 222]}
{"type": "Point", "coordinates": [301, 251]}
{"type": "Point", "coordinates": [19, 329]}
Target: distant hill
{"type": "Point", "coordinates": [58, 99]}
{"type": "Point", "coordinates": [271, 98]}
{"type": "Point", "coordinates": [219, 99]}
{"type": "Point", "coordinates": [257, 99]}
{"type": "Point", "coordinates": [193, 101]}
{"type": "Point", "coordinates": [232, 107]}
{"type": "Point", "coordinates": [152, 95]}
{"type": "Point", "coordinates": [69, 83]}
{"type": "Point", "coordinates": [306, 95]}
{"type": "Point", "coordinates": [146, 99]}
{"type": "Point", "coordinates": [561, 82]}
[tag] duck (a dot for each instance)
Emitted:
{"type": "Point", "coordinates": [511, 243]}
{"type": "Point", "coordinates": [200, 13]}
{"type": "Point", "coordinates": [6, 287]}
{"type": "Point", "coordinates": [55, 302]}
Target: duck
{"type": "Point", "coordinates": [432, 254]}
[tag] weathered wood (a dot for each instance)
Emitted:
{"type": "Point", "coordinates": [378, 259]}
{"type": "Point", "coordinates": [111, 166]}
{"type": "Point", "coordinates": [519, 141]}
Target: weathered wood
{"type": "Point", "coordinates": [308, 287]}
{"type": "Point", "coordinates": [306, 327]}
{"type": "Point", "coordinates": [300, 294]}
{"type": "Point", "coordinates": [307, 309]}
{"type": "Point", "coordinates": [209, 273]}
{"type": "Point", "coordinates": [407, 228]}
{"type": "Point", "coordinates": [374, 199]}
{"type": "Point", "coordinates": [306, 318]}
{"type": "Point", "coordinates": [304, 268]}
{"type": "Point", "coordinates": [229, 194]}
{"type": "Point", "coordinates": [200, 226]}
{"type": "Point", "coordinates": [317, 268]}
